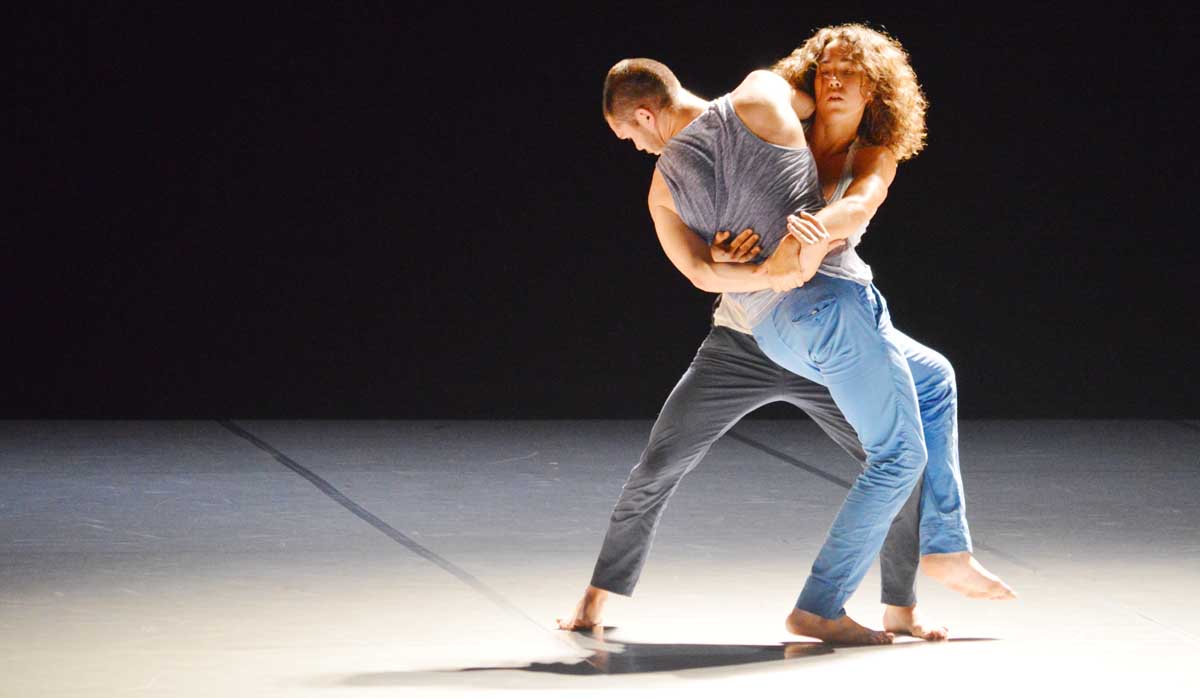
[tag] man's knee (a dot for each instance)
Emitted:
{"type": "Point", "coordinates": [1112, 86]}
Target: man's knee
{"type": "Point", "coordinates": [663, 462]}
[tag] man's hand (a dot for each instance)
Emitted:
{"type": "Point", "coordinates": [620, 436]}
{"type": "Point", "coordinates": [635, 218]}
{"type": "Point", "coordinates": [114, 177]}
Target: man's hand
{"type": "Point", "coordinates": [743, 248]}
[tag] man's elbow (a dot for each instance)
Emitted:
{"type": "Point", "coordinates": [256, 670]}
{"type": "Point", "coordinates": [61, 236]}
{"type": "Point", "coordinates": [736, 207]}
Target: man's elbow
{"type": "Point", "coordinates": [702, 278]}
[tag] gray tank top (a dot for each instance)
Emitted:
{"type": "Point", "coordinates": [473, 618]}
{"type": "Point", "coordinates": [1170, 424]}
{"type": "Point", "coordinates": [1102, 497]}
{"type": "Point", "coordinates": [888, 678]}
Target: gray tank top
{"type": "Point", "coordinates": [846, 264]}
{"type": "Point", "coordinates": [723, 177]}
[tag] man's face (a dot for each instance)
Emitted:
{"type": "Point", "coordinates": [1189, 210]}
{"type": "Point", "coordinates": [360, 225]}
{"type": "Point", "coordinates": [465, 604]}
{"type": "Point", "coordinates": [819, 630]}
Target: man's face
{"type": "Point", "coordinates": [640, 130]}
{"type": "Point", "coordinates": [840, 85]}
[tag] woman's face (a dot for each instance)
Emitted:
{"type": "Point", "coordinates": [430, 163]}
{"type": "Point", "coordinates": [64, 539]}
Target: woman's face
{"type": "Point", "coordinates": [840, 86]}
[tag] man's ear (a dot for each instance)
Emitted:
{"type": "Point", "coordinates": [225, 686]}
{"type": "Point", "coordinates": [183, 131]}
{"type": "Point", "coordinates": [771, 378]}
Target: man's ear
{"type": "Point", "coordinates": [644, 117]}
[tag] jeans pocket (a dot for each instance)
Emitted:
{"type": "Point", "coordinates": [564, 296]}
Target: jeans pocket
{"type": "Point", "coordinates": [812, 327]}
{"type": "Point", "coordinates": [813, 312]}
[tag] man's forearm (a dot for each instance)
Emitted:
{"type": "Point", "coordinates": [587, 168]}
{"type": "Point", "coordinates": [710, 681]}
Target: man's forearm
{"type": "Point", "coordinates": [720, 277]}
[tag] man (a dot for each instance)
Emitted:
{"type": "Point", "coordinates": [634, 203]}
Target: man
{"type": "Point", "coordinates": [759, 104]}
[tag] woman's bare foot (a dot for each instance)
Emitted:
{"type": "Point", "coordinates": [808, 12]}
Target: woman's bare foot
{"type": "Point", "coordinates": [905, 620]}
{"type": "Point", "coordinates": [963, 573]}
{"type": "Point", "coordinates": [842, 631]}
{"type": "Point", "coordinates": [587, 611]}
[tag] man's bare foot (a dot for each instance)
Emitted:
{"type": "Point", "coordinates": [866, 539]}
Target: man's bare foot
{"type": "Point", "coordinates": [963, 573]}
{"type": "Point", "coordinates": [842, 631]}
{"type": "Point", "coordinates": [587, 611]}
{"type": "Point", "coordinates": [906, 620]}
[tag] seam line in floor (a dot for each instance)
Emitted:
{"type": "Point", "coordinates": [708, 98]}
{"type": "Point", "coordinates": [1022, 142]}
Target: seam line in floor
{"type": "Point", "coordinates": [384, 527]}
{"type": "Point", "coordinates": [845, 484]}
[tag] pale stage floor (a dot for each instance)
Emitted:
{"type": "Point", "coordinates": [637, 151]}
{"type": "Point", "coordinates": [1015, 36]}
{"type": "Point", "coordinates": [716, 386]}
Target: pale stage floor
{"type": "Point", "coordinates": [363, 558]}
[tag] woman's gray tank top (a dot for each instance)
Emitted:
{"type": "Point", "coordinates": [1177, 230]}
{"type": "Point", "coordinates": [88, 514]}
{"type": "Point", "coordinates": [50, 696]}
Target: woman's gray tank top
{"type": "Point", "coordinates": [846, 264]}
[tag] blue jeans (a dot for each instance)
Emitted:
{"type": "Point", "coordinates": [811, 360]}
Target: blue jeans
{"type": "Point", "coordinates": [901, 398]}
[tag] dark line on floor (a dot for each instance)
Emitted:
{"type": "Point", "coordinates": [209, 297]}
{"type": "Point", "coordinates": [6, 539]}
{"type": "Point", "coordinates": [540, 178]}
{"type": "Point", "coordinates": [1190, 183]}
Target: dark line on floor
{"type": "Point", "coordinates": [379, 524]}
{"type": "Point", "coordinates": [846, 484]}
{"type": "Point", "coordinates": [1161, 624]}
{"type": "Point", "coordinates": [1186, 424]}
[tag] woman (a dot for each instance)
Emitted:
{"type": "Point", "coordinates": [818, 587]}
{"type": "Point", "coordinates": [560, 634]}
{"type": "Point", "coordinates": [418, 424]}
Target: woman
{"type": "Point", "coordinates": [869, 115]}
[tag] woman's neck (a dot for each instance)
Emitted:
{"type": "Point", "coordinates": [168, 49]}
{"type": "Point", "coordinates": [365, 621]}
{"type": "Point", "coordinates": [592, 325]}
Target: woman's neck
{"type": "Point", "coordinates": [831, 136]}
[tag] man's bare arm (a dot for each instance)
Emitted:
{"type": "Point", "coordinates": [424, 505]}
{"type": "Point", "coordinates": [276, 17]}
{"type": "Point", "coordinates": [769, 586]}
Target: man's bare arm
{"type": "Point", "coordinates": [690, 254]}
{"type": "Point", "coordinates": [803, 104]}
{"type": "Point", "coordinates": [764, 102]}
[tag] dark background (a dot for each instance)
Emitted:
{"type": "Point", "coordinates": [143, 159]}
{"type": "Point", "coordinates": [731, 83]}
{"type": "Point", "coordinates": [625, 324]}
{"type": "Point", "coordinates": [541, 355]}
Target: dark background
{"type": "Point", "coordinates": [419, 212]}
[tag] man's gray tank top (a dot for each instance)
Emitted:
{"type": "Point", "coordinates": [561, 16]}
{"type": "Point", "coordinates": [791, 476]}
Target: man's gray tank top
{"type": "Point", "coordinates": [723, 177]}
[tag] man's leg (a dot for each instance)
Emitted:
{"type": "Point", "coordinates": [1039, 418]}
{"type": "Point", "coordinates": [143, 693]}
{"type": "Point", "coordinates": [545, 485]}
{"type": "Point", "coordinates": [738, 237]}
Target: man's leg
{"type": "Point", "coordinates": [723, 383]}
{"type": "Point", "coordinates": [900, 555]}
{"type": "Point", "coordinates": [898, 561]}
{"type": "Point", "coordinates": [728, 378]}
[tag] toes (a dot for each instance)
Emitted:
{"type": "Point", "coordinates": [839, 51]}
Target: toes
{"type": "Point", "coordinates": [1002, 592]}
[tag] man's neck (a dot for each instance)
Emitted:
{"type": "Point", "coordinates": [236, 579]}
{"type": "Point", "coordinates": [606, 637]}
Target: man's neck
{"type": "Point", "coordinates": [832, 135]}
{"type": "Point", "coordinates": [685, 110]}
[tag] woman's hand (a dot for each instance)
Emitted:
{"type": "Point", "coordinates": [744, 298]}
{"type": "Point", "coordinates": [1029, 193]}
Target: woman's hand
{"type": "Point", "coordinates": [782, 268]}
{"type": "Point", "coordinates": [807, 227]}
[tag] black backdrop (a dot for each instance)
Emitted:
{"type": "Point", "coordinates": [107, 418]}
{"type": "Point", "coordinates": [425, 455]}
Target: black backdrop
{"type": "Point", "coordinates": [390, 212]}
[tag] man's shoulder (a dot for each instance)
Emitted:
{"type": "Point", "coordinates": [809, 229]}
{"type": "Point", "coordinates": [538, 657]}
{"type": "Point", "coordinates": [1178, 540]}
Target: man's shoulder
{"type": "Point", "coordinates": [762, 90]}
{"type": "Point", "coordinates": [761, 84]}
{"type": "Point", "coordinates": [764, 104]}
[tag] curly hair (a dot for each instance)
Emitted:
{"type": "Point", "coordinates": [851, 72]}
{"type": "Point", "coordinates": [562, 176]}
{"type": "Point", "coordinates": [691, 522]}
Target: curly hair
{"type": "Point", "coordinates": [895, 117]}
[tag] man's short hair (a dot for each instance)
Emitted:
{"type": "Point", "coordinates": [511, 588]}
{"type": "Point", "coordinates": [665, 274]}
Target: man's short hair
{"type": "Point", "coordinates": [638, 82]}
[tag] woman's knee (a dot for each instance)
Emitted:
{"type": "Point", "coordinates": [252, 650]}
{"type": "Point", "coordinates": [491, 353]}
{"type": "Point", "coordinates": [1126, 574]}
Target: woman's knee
{"type": "Point", "coordinates": [939, 385]}
{"type": "Point", "coordinates": [915, 456]}
{"type": "Point", "coordinates": [946, 371]}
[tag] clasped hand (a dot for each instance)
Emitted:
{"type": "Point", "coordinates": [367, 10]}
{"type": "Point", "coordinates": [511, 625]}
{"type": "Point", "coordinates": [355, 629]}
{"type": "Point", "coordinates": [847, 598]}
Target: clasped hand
{"type": "Point", "coordinates": [741, 249]}
{"type": "Point", "coordinates": [794, 261]}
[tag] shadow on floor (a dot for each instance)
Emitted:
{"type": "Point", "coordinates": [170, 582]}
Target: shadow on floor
{"type": "Point", "coordinates": [623, 658]}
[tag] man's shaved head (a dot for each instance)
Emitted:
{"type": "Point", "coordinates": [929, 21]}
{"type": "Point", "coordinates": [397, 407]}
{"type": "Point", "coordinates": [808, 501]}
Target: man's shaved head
{"type": "Point", "coordinates": [638, 82]}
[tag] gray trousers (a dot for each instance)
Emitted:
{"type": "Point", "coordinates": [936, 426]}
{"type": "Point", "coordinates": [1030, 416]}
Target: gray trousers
{"type": "Point", "coordinates": [729, 378]}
